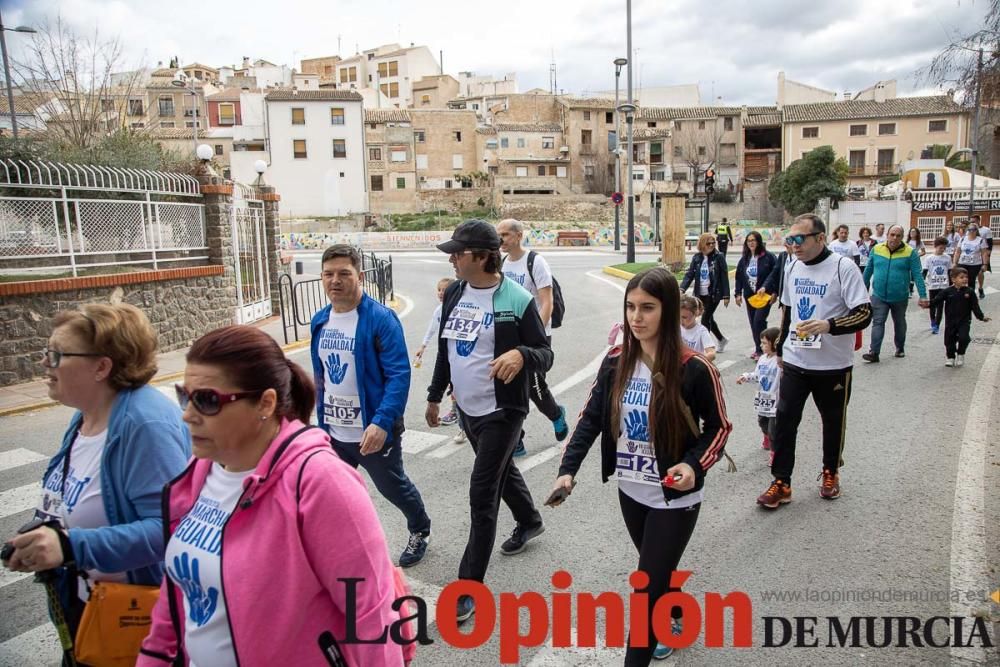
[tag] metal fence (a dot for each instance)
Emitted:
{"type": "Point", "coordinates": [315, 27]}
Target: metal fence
{"type": "Point", "coordinates": [60, 216]}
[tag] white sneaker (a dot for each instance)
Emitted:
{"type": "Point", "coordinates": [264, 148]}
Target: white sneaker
{"type": "Point", "coordinates": [960, 360]}
{"type": "Point", "coordinates": [949, 362]}
{"type": "Point", "coordinates": [460, 437]}
{"type": "Point", "coordinates": [722, 344]}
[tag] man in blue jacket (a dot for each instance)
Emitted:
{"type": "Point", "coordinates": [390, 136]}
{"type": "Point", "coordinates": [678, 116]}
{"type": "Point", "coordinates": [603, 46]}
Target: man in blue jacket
{"type": "Point", "coordinates": [893, 265]}
{"type": "Point", "coordinates": [362, 373]}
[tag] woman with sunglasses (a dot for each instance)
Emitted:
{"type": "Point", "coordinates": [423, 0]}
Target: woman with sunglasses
{"type": "Point", "coordinates": [752, 272]}
{"type": "Point", "coordinates": [710, 276]}
{"type": "Point", "coordinates": [100, 507]}
{"type": "Point", "coordinates": [267, 525]}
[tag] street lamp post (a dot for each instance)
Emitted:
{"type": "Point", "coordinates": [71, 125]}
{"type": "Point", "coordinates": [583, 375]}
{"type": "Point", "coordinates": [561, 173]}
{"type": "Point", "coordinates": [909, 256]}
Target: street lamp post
{"type": "Point", "coordinates": [181, 80]}
{"type": "Point", "coordinates": [619, 63]}
{"type": "Point", "coordinates": [629, 117]}
{"type": "Point", "coordinates": [975, 138]}
{"type": "Point", "coordinates": [6, 71]}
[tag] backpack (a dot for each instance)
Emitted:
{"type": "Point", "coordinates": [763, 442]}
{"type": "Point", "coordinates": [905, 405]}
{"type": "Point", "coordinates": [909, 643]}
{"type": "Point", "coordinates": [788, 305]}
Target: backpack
{"type": "Point", "coordinates": [558, 305]}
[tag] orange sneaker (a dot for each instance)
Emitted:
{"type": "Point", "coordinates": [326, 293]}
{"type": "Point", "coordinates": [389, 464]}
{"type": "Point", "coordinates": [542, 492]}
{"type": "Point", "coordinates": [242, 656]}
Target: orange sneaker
{"type": "Point", "coordinates": [777, 494]}
{"type": "Point", "coordinates": [830, 488]}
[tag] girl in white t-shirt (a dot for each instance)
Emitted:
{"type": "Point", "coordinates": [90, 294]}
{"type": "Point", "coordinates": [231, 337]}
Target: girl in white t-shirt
{"type": "Point", "coordinates": [694, 333]}
{"type": "Point", "coordinates": [433, 328]}
{"type": "Point", "coordinates": [767, 374]}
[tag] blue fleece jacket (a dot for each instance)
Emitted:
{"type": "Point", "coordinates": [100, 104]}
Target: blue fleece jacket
{"type": "Point", "coordinates": [148, 445]}
{"type": "Point", "coordinates": [380, 361]}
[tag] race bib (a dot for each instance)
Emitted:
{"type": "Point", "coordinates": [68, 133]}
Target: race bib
{"type": "Point", "coordinates": [637, 463]}
{"type": "Point", "coordinates": [463, 324]}
{"type": "Point", "coordinates": [967, 258]}
{"type": "Point", "coordinates": [813, 342]}
{"type": "Point", "coordinates": [937, 278]}
{"type": "Point", "coordinates": [765, 404]}
{"type": "Point", "coordinates": [344, 411]}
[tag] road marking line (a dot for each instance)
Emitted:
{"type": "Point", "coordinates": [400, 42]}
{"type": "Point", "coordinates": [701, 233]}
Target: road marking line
{"type": "Point", "coordinates": [969, 566]}
{"type": "Point", "coordinates": [415, 442]}
{"type": "Point", "coordinates": [550, 656]}
{"type": "Point", "coordinates": [19, 457]}
{"type": "Point", "coordinates": [432, 261]}
{"type": "Point", "coordinates": [38, 646]}
{"type": "Point", "coordinates": [19, 499]}
{"type": "Point", "coordinates": [7, 577]}
{"type": "Point", "coordinates": [430, 594]}
{"type": "Point", "coordinates": [596, 276]}
{"type": "Point", "coordinates": [447, 450]}
{"type": "Point", "coordinates": [583, 374]}
{"type": "Point", "coordinates": [407, 308]}
{"type": "Point", "coordinates": [725, 364]}
{"type": "Point", "coordinates": [539, 458]}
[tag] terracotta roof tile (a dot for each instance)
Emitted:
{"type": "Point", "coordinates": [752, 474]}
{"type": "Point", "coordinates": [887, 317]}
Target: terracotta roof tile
{"type": "Point", "coordinates": [528, 127]}
{"type": "Point", "coordinates": [859, 109]}
{"type": "Point", "coordinates": [289, 95]}
{"type": "Point", "coordinates": [387, 116]}
{"type": "Point", "coordinates": [684, 113]}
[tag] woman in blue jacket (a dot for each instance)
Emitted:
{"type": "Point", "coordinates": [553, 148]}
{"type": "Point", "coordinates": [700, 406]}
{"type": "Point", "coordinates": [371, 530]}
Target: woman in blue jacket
{"type": "Point", "coordinates": [99, 511]}
{"type": "Point", "coordinates": [710, 276]}
{"type": "Point", "coordinates": [752, 271]}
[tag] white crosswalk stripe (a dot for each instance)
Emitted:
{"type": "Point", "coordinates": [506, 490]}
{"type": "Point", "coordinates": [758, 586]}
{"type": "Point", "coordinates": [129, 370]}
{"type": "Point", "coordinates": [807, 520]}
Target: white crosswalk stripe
{"type": "Point", "coordinates": [38, 646]}
{"type": "Point", "coordinates": [415, 442]}
{"type": "Point", "coordinates": [19, 499]}
{"type": "Point", "coordinates": [19, 457]}
{"type": "Point", "coordinates": [448, 450]}
{"type": "Point", "coordinates": [7, 577]}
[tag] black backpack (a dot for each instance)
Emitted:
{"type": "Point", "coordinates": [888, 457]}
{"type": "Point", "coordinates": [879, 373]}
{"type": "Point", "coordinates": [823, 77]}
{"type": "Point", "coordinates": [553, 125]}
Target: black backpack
{"type": "Point", "coordinates": [558, 305]}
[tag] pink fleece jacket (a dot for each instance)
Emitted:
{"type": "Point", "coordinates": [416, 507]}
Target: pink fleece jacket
{"type": "Point", "coordinates": [304, 522]}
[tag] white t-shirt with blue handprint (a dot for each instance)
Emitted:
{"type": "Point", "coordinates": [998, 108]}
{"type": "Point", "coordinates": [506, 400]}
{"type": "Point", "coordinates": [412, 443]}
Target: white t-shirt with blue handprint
{"type": "Point", "coordinates": [635, 462]}
{"type": "Point", "coordinates": [471, 335]}
{"type": "Point", "coordinates": [937, 271]}
{"type": "Point", "coordinates": [704, 276]}
{"type": "Point", "coordinates": [341, 400]}
{"type": "Point", "coordinates": [194, 564]}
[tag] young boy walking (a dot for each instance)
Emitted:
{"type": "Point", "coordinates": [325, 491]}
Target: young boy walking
{"type": "Point", "coordinates": [937, 267]}
{"type": "Point", "coordinates": [960, 303]}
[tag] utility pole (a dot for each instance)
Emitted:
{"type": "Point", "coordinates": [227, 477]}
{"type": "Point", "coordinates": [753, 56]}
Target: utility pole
{"type": "Point", "coordinates": [629, 117]}
{"type": "Point", "coordinates": [974, 143]}
{"type": "Point", "coordinates": [619, 63]}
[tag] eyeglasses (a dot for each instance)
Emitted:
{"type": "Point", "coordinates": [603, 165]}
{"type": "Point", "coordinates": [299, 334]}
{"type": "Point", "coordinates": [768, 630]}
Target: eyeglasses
{"type": "Point", "coordinates": [799, 239]}
{"type": "Point", "coordinates": [52, 358]}
{"type": "Point", "coordinates": [208, 401]}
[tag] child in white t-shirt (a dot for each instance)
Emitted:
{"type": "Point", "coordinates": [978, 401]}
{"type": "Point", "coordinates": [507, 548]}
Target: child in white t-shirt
{"type": "Point", "coordinates": [433, 329]}
{"type": "Point", "coordinates": [693, 332]}
{"type": "Point", "coordinates": [768, 376]}
{"type": "Point", "coordinates": [936, 269]}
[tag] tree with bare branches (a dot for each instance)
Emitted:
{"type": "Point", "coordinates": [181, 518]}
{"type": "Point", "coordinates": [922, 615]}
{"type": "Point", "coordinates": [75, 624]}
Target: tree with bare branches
{"type": "Point", "coordinates": [955, 66]}
{"type": "Point", "coordinates": [699, 146]}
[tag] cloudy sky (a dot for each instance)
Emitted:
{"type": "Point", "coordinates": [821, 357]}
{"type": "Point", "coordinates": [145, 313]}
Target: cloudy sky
{"type": "Point", "coordinates": [733, 49]}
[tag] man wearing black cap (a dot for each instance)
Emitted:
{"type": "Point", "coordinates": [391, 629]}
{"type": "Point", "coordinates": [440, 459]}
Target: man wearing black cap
{"type": "Point", "coordinates": [491, 339]}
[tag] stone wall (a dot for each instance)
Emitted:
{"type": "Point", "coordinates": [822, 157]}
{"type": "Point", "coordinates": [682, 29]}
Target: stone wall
{"type": "Point", "coordinates": [182, 305]}
{"type": "Point", "coordinates": [454, 199]}
{"type": "Point", "coordinates": [566, 209]}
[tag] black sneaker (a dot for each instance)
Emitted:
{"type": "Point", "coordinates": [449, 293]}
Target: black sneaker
{"type": "Point", "coordinates": [415, 549]}
{"type": "Point", "coordinates": [900, 354]}
{"type": "Point", "coordinates": [465, 608]}
{"type": "Point", "coordinates": [982, 294]}
{"type": "Point", "coordinates": [870, 358]}
{"type": "Point", "coordinates": [519, 539]}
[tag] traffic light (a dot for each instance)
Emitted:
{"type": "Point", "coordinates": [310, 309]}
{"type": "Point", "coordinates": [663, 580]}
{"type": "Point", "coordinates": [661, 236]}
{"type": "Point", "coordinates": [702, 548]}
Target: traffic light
{"type": "Point", "coordinates": [709, 181]}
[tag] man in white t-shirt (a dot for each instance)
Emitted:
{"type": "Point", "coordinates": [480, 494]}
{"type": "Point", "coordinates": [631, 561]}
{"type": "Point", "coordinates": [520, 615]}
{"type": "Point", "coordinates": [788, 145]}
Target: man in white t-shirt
{"type": "Point", "coordinates": [825, 303]}
{"type": "Point", "coordinates": [530, 270]}
{"type": "Point", "coordinates": [845, 247]}
{"type": "Point", "coordinates": [879, 233]}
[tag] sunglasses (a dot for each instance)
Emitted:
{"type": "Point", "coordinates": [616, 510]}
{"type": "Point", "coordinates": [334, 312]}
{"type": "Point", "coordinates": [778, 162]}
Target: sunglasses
{"type": "Point", "coordinates": [52, 358]}
{"type": "Point", "coordinates": [208, 401]}
{"type": "Point", "coordinates": [799, 239]}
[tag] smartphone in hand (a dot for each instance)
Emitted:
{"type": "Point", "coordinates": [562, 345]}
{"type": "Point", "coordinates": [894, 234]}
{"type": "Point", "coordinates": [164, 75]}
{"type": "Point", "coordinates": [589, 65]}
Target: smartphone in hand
{"type": "Point", "coordinates": [558, 496]}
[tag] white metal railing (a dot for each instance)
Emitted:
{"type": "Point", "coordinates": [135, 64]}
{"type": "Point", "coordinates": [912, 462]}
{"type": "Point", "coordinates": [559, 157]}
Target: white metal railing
{"type": "Point", "coordinates": [954, 195]}
{"type": "Point", "coordinates": [44, 174]}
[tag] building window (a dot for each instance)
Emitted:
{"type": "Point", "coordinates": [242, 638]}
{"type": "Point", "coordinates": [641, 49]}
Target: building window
{"type": "Point", "coordinates": [612, 140]}
{"type": "Point", "coordinates": [107, 105]}
{"type": "Point", "coordinates": [298, 116]}
{"type": "Point", "coordinates": [457, 135]}
{"type": "Point", "coordinates": [727, 124]}
{"type": "Point", "coordinates": [651, 123]}
{"type": "Point", "coordinates": [886, 128]}
{"type": "Point", "coordinates": [520, 171]}
{"type": "Point", "coordinates": [400, 183]}
{"type": "Point", "coordinates": [397, 156]}
{"type": "Point", "coordinates": [456, 161]}
{"type": "Point", "coordinates": [375, 153]}
{"type": "Point", "coordinates": [227, 114]}
{"type": "Point", "coordinates": [609, 117]}
{"type": "Point", "coordinates": [701, 151]}
{"type": "Point", "coordinates": [638, 176]}
{"type": "Point", "coordinates": [541, 170]}
{"type": "Point", "coordinates": [165, 105]}
{"type": "Point", "coordinates": [678, 151]}
{"type": "Point", "coordinates": [218, 149]}
{"type": "Point", "coordinates": [677, 125]}
{"type": "Point", "coordinates": [425, 100]}
{"type": "Point", "coordinates": [521, 143]}
{"type": "Point", "coordinates": [348, 74]}
{"type": "Point", "coordinates": [585, 137]}
{"type": "Point", "coordinates": [588, 170]}
{"type": "Point", "coordinates": [886, 160]}
{"type": "Point", "coordinates": [419, 136]}
{"type": "Point", "coordinates": [811, 132]}
{"type": "Point", "coordinates": [135, 107]}
{"type": "Point", "coordinates": [859, 130]}
{"type": "Point", "coordinates": [376, 183]}
{"type": "Point", "coordinates": [390, 89]}
{"type": "Point", "coordinates": [138, 125]}
{"type": "Point", "coordinates": [701, 125]}
{"type": "Point", "coordinates": [447, 184]}
{"type": "Point", "coordinates": [167, 125]}
{"type": "Point", "coordinates": [491, 143]}
{"type": "Point", "coordinates": [856, 162]}
{"type": "Point", "coordinates": [504, 142]}
{"type": "Point", "coordinates": [390, 68]}
{"type": "Point", "coordinates": [336, 115]}
{"type": "Point", "coordinates": [339, 148]}
{"type": "Point", "coordinates": [548, 142]}
{"type": "Point", "coordinates": [299, 148]}
{"type": "Point", "coordinates": [191, 123]}
{"type": "Point", "coordinates": [680, 176]}
{"type": "Point", "coordinates": [937, 126]}
{"type": "Point", "coordinates": [656, 153]}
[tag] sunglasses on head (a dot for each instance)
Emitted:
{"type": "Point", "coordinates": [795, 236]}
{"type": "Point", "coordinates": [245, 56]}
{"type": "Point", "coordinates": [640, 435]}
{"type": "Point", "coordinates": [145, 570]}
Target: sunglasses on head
{"type": "Point", "coordinates": [799, 239]}
{"type": "Point", "coordinates": [208, 401]}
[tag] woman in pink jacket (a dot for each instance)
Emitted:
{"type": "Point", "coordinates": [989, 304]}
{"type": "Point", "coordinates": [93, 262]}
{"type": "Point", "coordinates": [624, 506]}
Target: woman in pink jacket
{"type": "Point", "coordinates": [265, 525]}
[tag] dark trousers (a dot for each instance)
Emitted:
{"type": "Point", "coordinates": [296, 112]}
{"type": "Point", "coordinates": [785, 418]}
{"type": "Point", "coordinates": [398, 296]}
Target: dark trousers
{"type": "Point", "coordinates": [880, 313]}
{"type": "Point", "coordinates": [660, 536]}
{"type": "Point", "coordinates": [973, 270]}
{"type": "Point", "coordinates": [758, 322]}
{"type": "Point", "coordinates": [708, 317]}
{"type": "Point", "coordinates": [541, 396]}
{"type": "Point", "coordinates": [936, 310]}
{"type": "Point", "coordinates": [494, 476]}
{"type": "Point", "coordinates": [386, 470]}
{"type": "Point", "coordinates": [723, 245]}
{"type": "Point", "coordinates": [767, 425]}
{"type": "Point", "coordinates": [956, 337]}
{"type": "Point", "coordinates": [831, 393]}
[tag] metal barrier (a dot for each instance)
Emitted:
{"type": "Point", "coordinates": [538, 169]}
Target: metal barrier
{"type": "Point", "coordinates": [299, 301]}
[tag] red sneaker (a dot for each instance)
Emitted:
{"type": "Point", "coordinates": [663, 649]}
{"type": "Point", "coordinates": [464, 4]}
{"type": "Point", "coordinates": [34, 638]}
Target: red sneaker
{"type": "Point", "coordinates": [765, 443]}
{"type": "Point", "coordinates": [830, 488]}
{"type": "Point", "coordinates": [777, 494]}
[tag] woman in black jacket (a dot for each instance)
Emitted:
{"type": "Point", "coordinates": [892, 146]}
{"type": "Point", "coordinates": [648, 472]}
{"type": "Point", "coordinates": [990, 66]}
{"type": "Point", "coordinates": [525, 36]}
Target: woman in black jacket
{"type": "Point", "coordinates": [659, 411]}
{"type": "Point", "coordinates": [710, 276]}
{"type": "Point", "coordinates": [752, 271]}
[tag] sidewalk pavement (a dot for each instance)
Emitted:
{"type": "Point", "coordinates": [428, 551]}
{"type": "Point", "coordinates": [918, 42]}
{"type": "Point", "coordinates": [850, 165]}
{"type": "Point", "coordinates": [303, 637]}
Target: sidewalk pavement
{"type": "Point", "coordinates": [27, 396]}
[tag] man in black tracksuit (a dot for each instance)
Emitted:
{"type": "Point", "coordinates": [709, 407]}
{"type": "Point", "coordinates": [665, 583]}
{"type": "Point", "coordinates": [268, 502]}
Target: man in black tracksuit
{"type": "Point", "coordinates": [960, 303]}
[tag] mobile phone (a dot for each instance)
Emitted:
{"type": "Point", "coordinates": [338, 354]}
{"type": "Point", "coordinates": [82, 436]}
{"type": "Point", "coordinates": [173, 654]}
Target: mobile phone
{"type": "Point", "coordinates": [558, 496]}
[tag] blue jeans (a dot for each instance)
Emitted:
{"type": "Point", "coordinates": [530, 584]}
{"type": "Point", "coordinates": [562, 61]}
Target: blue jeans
{"type": "Point", "coordinates": [880, 313]}
{"type": "Point", "coordinates": [385, 467]}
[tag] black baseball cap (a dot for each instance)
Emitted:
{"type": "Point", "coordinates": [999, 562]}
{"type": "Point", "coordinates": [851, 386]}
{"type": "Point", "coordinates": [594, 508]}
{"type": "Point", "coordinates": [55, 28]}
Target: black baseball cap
{"type": "Point", "coordinates": [472, 234]}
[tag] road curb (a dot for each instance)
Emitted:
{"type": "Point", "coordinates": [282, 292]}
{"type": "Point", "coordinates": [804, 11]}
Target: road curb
{"type": "Point", "coordinates": [617, 273]}
{"type": "Point", "coordinates": [159, 379]}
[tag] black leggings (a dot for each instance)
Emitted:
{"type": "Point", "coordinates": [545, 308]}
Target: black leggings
{"type": "Point", "coordinates": [660, 536]}
{"type": "Point", "coordinates": [708, 317]}
{"type": "Point", "coordinates": [973, 270]}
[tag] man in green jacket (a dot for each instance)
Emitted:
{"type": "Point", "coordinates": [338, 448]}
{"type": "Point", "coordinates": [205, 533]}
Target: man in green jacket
{"type": "Point", "coordinates": [891, 268]}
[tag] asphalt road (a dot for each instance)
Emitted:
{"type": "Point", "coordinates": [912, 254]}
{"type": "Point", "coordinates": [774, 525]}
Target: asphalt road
{"type": "Point", "coordinates": [916, 525]}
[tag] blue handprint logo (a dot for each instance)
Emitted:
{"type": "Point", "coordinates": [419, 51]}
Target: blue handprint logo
{"type": "Point", "coordinates": [939, 270]}
{"type": "Point", "coordinates": [465, 347]}
{"type": "Point", "coordinates": [201, 603]}
{"type": "Point", "coordinates": [806, 308]}
{"type": "Point", "coordinates": [335, 370]}
{"type": "Point", "coordinates": [637, 425]}
{"type": "Point", "coordinates": [752, 271]}
{"type": "Point", "coordinates": [766, 381]}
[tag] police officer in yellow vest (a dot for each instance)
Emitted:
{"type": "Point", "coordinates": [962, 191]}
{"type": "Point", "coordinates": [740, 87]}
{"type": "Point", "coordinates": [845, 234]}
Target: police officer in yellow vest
{"type": "Point", "coordinates": [723, 235]}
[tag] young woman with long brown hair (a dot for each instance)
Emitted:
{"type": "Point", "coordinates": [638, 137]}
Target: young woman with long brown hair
{"type": "Point", "coordinates": [659, 411]}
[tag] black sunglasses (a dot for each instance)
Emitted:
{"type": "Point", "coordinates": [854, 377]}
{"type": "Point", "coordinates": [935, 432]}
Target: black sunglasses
{"type": "Point", "coordinates": [52, 358]}
{"type": "Point", "coordinates": [799, 239]}
{"type": "Point", "coordinates": [208, 401]}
